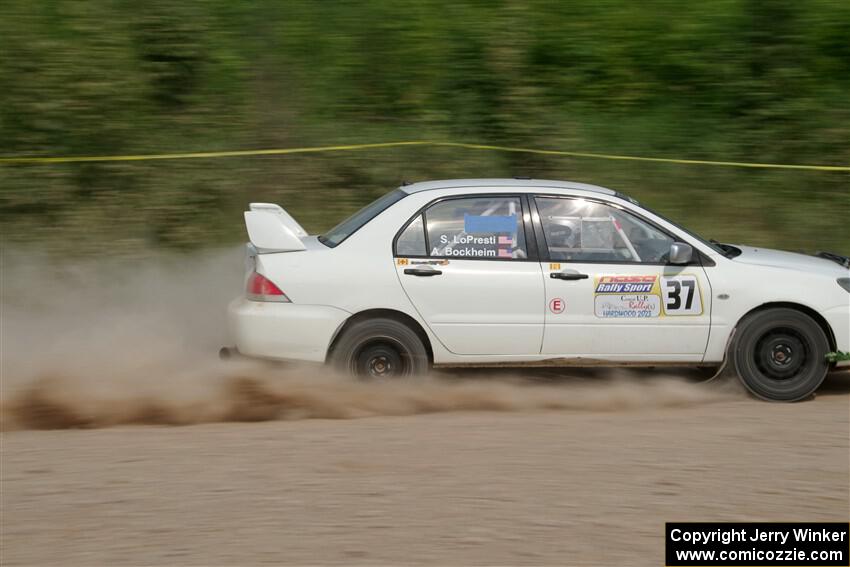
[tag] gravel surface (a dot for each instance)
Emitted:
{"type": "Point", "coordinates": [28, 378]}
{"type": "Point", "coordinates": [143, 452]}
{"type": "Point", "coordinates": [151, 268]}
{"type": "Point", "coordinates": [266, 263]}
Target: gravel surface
{"type": "Point", "coordinates": [522, 486]}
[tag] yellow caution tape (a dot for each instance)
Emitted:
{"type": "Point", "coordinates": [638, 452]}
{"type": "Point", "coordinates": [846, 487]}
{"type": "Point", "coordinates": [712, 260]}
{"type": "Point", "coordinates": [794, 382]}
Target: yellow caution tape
{"type": "Point", "coordinates": [197, 155]}
{"type": "Point", "coordinates": [640, 158]}
{"type": "Point", "coordinates": [284, 151]}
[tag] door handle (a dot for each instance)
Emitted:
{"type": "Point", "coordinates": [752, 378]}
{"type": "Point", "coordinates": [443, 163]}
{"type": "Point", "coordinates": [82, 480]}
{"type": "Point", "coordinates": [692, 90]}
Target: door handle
{"type": "Point", "coordinates": [422, 272]}
{"type": "Point", "coordinates": [568, 276]}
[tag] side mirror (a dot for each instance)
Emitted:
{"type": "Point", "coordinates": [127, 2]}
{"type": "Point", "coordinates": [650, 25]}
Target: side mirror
{"type": "Point", "coordinates": [680, 253]}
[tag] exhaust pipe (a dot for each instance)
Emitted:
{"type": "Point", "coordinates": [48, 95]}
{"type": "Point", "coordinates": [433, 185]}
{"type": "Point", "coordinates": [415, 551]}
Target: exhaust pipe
{"type": "Point", "coordinates": [226, 353]}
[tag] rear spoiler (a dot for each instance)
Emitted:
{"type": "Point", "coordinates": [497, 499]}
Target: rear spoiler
{"type": "Point", "coordinates": [272, 229]}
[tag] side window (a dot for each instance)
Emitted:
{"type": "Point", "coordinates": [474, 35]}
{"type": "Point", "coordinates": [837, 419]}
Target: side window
{"type": "Point", "coordinates": [577, 230]}
{"type": "Point", "coordinates": [476, 227]}
{"type": "Point", "coordinates": [411, 242]}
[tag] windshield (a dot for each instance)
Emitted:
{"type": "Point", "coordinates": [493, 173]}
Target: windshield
{"type": "Point", "coordinates": [353, 223]}
{"type": "Point", "coordinates": [714, 245]}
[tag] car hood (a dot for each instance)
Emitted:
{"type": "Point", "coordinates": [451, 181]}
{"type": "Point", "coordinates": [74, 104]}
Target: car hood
{"type": "Point", "coordinates": [788, 260]}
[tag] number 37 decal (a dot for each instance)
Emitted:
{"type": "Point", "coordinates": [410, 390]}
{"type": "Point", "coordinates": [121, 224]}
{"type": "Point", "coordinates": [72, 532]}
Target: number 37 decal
{"type": "Point", "coordinates": [681, 295]}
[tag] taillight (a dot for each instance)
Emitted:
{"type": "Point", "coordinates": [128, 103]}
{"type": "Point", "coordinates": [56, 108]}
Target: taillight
{"type": "Point", "coordinates": [260, 288]}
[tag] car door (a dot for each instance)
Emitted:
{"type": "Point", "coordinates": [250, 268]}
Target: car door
{"type": "Point", "coordinates": [466, 266]}
{"type": "Point", "coordinates": [610, 292]}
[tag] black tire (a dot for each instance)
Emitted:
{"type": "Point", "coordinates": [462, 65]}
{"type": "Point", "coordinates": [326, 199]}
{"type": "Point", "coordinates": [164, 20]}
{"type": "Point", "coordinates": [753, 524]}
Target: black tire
{"type": "Point", "coordinates": [779, 354]}
{"type": "Point", "coordinates": [380, 349]}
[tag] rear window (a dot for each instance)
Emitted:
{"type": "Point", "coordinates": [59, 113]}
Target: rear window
{"type": "Point", "coordinates": [353, 223]}
{"type": "Point", "coordinates": [483, 227]}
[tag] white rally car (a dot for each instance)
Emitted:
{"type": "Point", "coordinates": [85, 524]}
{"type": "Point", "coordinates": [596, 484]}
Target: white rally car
{"type": "Point", "coordinates": [513, 272]}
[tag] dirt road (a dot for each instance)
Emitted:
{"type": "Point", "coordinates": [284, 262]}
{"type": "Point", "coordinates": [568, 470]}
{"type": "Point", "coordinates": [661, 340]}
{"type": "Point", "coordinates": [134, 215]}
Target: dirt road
{"type": "Point", "coordinates": [151, 459]}
{"type": "Point", "coordinates": [527, 486]}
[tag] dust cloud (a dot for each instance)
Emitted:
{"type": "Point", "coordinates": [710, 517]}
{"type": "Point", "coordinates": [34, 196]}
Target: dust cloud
{"type": "Point", "coordinates": [104, 343]}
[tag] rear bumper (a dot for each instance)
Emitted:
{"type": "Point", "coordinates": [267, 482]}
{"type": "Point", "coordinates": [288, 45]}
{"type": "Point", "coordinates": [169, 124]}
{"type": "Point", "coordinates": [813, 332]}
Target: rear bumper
{"type": "Point", "coordinates": [839, 320]}
{"type": "Point", "coordinates": [283, 331]}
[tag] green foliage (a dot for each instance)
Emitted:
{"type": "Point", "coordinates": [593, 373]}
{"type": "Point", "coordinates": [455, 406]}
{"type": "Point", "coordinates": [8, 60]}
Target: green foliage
{"type": "Point", "coordinates": [743, 80]}
{"type": "Point", "coordinates": [837, 356]}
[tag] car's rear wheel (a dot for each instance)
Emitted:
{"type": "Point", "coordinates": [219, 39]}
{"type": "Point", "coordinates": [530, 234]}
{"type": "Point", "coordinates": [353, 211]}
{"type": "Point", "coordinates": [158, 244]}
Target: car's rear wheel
{"type": "Point", "coordinates": [380, 349]}
{"type": "Point", "coordinates": [779, 354]}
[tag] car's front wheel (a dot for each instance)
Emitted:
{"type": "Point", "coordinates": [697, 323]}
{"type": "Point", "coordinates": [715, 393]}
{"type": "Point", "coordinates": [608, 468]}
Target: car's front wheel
{"type": "Point", "coordinates": [380, 349]}
{"type": "Point", "coordinates": [779, 354]}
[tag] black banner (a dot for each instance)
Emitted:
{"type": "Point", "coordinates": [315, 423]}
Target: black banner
{"type": "Point", "coordinates": [761, 544]}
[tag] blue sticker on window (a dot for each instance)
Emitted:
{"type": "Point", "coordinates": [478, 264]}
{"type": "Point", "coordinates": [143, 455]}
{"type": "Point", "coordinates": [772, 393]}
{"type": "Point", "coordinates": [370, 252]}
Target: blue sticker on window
{"type": "Point", "coordinates": [478, 224]}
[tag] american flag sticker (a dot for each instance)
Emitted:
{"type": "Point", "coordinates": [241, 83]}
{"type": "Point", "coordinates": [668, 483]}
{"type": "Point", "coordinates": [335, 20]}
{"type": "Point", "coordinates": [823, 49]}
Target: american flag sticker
{"type": "Point", "coordinates": [506, 240]}
{"type": "Point", "coordinates": [504, 253]}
